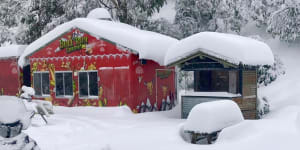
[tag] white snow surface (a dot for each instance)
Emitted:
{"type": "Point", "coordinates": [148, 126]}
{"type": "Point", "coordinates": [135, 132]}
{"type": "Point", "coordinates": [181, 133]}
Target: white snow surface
{"type": "Point", "coordinates": [12, 109]}
{"type": "Point", "coordinates": [148, 45]}
{"type": "Point", "coordinates": [209, 117]}
{"type": "Point", "coordinates": [116, 128]}
{"type": "Point", "coordinates": [99, 13]}
{"type": "Point", "coordinates": [231, 48]}
{"type": "Point", "coordinates": [11, 51]}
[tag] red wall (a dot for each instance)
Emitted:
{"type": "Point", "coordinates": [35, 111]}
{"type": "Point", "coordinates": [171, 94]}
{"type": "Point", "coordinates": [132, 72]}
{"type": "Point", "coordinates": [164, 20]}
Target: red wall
{"type": "Point", "coordinates": [9, 76]}
{"type": "Point", "coordinates": [117, 71]}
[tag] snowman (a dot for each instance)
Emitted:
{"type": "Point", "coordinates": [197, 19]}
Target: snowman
{"type": "Point", "coordinates": [14, 118]}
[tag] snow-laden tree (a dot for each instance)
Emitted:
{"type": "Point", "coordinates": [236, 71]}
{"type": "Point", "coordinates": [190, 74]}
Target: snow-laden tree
{"type": "Point", "coordinates": [163, 26]}
{"type": "Point", "coordinates": [285, 23]}
{"type": "Point", "coordinates": [261, 10]}
{"type": "Point", "coordinates": [194, 16]}
{"type": "Point", "coordinates": [11, 13]}
{"type": "Point", "coordinates": [41, 16]}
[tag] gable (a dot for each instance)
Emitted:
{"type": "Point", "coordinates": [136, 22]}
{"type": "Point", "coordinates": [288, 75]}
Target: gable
{"type": "Point", "coordinates": [201, 61]}
{"type": "Point", "coordinates": [77, 42]}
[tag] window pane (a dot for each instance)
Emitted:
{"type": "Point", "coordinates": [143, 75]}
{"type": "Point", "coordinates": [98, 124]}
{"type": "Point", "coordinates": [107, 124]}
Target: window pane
{"type": "Point", "coordinates": [45, 83]}
{"type": "Point", "coordinates": [37, 83]}
{"type": "Point", "coordinates": [232, 81]}
{"type": "Point", "coordinates": [93, 81]}
{"type": "Point", "coordinates": [68, 83]}
{"type": "Point", "coordinates": [83, 84]}
{"type": "Point", "coordinates": [59, 84]}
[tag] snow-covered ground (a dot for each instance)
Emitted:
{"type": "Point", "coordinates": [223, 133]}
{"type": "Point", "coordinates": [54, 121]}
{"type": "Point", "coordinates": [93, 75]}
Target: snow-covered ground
{"type": "Point", "coordinates": [116, 128]}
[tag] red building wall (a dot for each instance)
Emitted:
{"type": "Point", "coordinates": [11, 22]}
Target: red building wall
{"type": "Point", "coordinates": [9, 76]}
{"type": "Point", "coordinates": [122, 79]}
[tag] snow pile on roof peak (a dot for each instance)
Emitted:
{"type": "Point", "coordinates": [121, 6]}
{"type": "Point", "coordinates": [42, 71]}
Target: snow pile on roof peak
{"type": "Point", "coordinates": [12, 51]}
{"type": "Point", "coordinates": [99, 13]}
{"type": "Point", "coordinates": [213, 116]}
{"type": "Point", "coordinates": [149, 45]}
{"type": "Point", "coordinates": [231, 48]}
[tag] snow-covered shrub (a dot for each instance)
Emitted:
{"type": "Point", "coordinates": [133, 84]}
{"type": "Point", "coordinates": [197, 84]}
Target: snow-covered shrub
{"type": "Point", "coordinates": [268, 74]}
{"type": "Point", "coordinates": [28, 92]}
{"type": "Point", "coordinates": [263, 107]}
{"type": "Point", "coordinates": [209, 117]}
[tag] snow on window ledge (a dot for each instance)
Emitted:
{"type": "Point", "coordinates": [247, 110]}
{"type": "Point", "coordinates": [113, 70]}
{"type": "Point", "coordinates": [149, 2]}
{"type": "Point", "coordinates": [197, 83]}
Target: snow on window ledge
{"type": "Point", "coordinates": [209, 94]}
{"type": "Point", "coordinates": [89, 97]}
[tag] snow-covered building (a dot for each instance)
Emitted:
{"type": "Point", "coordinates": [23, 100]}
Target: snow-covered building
{"type": "Point", "coordinates": [10, 75]}
{"type": "Point", "coordinates": [98, 62]}
{"type": "Point", "coordinates": [223, 66]}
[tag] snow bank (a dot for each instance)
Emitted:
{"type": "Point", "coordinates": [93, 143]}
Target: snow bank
{"type": "Point", "coordinates": [232, 48]}
{"type": "Point", "coordinates": [13, 109]}
{"type": "Point", "coordinates": [213, 116]}
{"type": "Point", "coordinates": [12, 51]}
{"type": "Point", "coordinates": [148, 45]}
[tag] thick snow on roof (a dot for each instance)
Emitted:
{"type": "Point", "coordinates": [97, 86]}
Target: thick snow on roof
{"type": "Point", "coordinates": [231, 48]}
{"type": "Point", "coordinates": [99, 13]}
{"type": "Point", "coordinates": [149, 45]}
{"type": "Point", "coordinates": [213, 116]}
{"type": "Point", "coordinates": [11, 51]}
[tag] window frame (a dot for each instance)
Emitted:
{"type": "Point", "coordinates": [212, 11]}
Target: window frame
{"type": "Point", "coordinates": [88, 77]}
{"type": "Point", "coordinates": [42, 94]}
{"type": "Point", "coordinates": [63, 96]}
{"type": "Point", "coordinates": [236, 81]}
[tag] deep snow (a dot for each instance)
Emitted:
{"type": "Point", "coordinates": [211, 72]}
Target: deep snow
{"type": "Point", "coordinates": [116, 128]}
{"type": "Point", "coordinates": [232, 48]}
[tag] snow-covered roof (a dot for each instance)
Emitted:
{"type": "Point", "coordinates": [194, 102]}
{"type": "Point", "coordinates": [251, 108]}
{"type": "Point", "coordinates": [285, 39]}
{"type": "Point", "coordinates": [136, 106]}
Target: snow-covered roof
{"type": "Point", "coordinates": [148, 45]}
{"type": "Point", "coordinates": [231, 48]}
{"type": "Point", "coordinates": [99, 13]}
{"type": "Point", "coordinates": [12, 51]}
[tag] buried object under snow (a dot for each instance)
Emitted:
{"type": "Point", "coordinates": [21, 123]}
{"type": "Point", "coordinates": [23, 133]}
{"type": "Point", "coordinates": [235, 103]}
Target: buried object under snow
{"type": "Point", "coordinates": [208, 118]}
{"type": "Point", "coordinates": [14, 118]}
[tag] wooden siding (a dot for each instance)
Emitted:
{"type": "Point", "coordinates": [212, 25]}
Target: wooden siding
{"type": "Point", "coordinates": [248, 105]}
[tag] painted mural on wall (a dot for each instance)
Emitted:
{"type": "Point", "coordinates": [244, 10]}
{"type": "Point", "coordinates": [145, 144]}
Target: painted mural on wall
{"type": "Point", "coordinates": [121, 78]}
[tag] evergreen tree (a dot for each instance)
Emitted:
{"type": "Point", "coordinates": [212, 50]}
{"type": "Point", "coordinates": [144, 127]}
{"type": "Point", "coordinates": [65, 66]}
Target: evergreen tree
{"type": "Point", "coordinates": [261, 10]}
{"type": "Point", "coordinates": [193, 16]}
{"type": "Point", "coordinates": [285, 23]}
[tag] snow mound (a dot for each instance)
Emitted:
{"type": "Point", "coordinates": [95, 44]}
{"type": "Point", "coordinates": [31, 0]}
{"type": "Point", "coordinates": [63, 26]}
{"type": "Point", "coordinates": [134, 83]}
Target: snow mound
{"type": "Point", "coordinates": [149, 45]}
{"type": "Point", "coordinates": [213, 116]}
{"type": "Point", "coordinates": [28, 92]}
{"type": "Point", "coordinates": [231, 48]}
{"type": "Point", "coordinates": [12, 109]}
{"type": "Point", "coordinates": [12, 51]}
{"type": "Point", "coordinates": [99, 13]}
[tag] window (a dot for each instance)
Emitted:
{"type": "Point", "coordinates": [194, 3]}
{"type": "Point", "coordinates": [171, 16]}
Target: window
{"type": "Point", "coordinates": [216, 81]}
{"type": "Point", "coordinates": [41, 83]}
{"type": "Point", "coordinates": [64, 84]}
{"type": "Point", "coordinates": [88, 84]}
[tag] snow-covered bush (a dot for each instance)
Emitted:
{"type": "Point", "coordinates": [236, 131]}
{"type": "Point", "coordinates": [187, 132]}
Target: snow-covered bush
{"type": "Point", "coordinates": [28, 92]}
{"type": "Point", "coordinates": [268, 74]}
{"type": "Point", "coordinates": [263, 107]}
{"type": "Point", "coordinates": [209, 117]}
